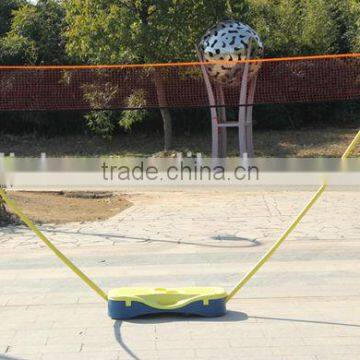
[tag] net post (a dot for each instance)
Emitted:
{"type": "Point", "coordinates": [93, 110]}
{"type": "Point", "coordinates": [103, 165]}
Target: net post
{"type": "Point", "coordinates": [352, 146]}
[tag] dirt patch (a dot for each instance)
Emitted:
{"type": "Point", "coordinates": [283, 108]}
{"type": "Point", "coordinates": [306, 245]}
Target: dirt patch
{"type": "Point", "coordinates": [64, 207]}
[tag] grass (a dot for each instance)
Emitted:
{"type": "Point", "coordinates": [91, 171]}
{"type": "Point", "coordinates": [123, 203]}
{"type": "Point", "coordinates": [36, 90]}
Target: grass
{"type": "Point", "coordinates": [328, 142]}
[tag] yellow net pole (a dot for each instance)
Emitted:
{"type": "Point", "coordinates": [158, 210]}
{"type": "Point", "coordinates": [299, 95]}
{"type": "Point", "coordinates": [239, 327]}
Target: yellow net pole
{"type": "Point", "coordinates": [351, 147]}
{"type": "Point", "coordinates": [51, 246]}
{"type": "Point", "coordinates": [290, 229]}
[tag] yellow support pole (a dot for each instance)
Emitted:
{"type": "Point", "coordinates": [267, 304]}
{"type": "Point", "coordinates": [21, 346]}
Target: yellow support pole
{"type": "Point", "coordinates": [290, 229]}
{"type": "Point", "coordinates": [51, 246]}
{"type": "Point", "coordinates": [271, 251]}
{"type": "Point", "coordinates": [351, 147]}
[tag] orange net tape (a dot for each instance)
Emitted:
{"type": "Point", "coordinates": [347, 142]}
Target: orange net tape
{"type": "Point", "coordinates": [280, 81]}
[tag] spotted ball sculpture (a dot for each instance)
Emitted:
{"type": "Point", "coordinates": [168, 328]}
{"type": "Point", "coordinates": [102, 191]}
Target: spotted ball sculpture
{"type": "Point", "coordinates": [230, 41]}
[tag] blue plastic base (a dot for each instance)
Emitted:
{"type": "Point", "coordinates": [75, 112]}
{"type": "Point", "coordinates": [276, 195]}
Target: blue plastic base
{"type": "Point", "coordinates": [119, 311]}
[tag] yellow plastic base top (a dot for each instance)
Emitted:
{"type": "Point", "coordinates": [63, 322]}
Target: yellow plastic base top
{"type": "Point", "coordinates": [166, 298]}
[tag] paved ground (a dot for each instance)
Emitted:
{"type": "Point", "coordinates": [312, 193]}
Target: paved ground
{"type": "Point", "coordinates": [303, 305]}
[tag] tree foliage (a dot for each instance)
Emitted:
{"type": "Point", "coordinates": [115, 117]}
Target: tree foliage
{"type": "Point", "coordinates": [354, 25]}
{"type": "Point", "coordinates": [116, 31]}
{"type": "Point", "coordinates": [35, 35]}
{"type": "Point", "coordinates": [6, 10]}
{"type": "Point", "coordinates": [302, 27]}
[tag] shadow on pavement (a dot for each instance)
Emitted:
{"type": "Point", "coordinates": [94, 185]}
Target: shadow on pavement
{"type": "Point", "coordinates": [4, 357]}
{"type": "Point", "coordinates": [118, 337]}
{"type": "Point", "coordinates": [247, 242]}
{"type": "Point", "coordinates": [164, 318]}
{"type": "Point", "coordinates": [304, 321]}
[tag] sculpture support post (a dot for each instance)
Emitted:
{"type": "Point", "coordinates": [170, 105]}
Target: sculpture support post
{"type": "Point", "coordinates": [222, 120]}
{"type": "Point", "coordinates": [243, 102]}
{"type": "Point", "coordinates": [249, 115]}
{"type": "Point", "coordinates": [213, 112]}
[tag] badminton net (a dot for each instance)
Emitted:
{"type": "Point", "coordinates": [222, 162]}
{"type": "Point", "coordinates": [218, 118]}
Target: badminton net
{"type": "Point", "coordinates": [176, 85]}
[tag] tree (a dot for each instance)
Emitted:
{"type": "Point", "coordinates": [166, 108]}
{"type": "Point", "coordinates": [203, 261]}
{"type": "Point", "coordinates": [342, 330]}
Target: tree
{"type": "Point", "coordinates": [320, 30]}
{"type": "Point", "coordinates": [35, 35]}
{"type": "Point", "coordinates": [6, 9]}
{"type": "Point", "coordinates": [344, 18]}
{"type": "Point", "coordinates": [278, 24]}
{"type": "Point", "coordinates": [298, 27]}
{"type": "Point", "coordinates": [134, 31]}
{"type": "Point", "coordinates": [354, 27]}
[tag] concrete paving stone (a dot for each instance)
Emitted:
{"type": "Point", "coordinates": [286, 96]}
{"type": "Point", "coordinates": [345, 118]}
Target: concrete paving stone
{"type": "Point", "coordinates": [62, 299]}
{"type": "Point", "coordinates": [6, 311]}
{"type": "Point", "coordinates": [88, 299]}
{"type": "Point", "coordinates": [4, 300]}
{"type": "Point", "coordinates": [228, 333]}
{"type": "Point", "coordinates": [245, 353]}
{"type": "Point", "coordinates": [39, 324]}
{"type": "Point", "coordinates": [176, 354]}
{"type": "Point", "coordinates": [104, 355]}
{"type": "Point", "coordinates": [37, 349]}
{"type": "Point", "coordinates": [75, 324]}
{"type": "Point", "coordinates": [329, 349]}
{"type": "Point", "coordinates": [333, 340]}
{"type": "Point", "coordinates": [105, 331]}
{"type": "Point", "coordinates": [7, 334]}
{"type": "Point", "coordinates": [114, 345]}
{"type": "Point", "coordinates": [183, 334]}
{"type": "Point", "coordinates": [138, 334]}
{"type": "Point", "coordinates": [20, 351]}
{"type": "Point", "coordinates": [328, 331]}
{"type": "Point", "coordinates": [52, 313]}
{"type": "Point", "coordinates": [299, 357]}
{"type": "Point", "coordinates": [16, 323]}
{"type": "Point", "coordinates": [163, 344]}
{"type": "Point", "coordinates": [105, 340]}
{"type": "Point", "coordinates": [334, 357]}
{"type": "Point", "coordinates": [138, 354]}
{"type": "Point", "coordinates": [301, 306]}
{"type": "Point", "coordinates": [35, 337]}
{"type": "Point", "coordinates": [60, 348]}
{"type": "Point", "coordinates": [56, 340]}
{"type": "Point", "coordinates": [28, 301]}
{"type": "Point", "coordinates": [264, 342]}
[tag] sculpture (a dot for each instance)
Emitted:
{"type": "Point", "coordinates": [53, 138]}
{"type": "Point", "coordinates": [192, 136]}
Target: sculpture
{"type": "Point", "coordinates": [230, 41]}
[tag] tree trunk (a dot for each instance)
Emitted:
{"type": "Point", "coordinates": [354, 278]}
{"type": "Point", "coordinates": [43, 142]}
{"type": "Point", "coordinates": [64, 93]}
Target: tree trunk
{"type": "Point", "coordinates": [165, 112]}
